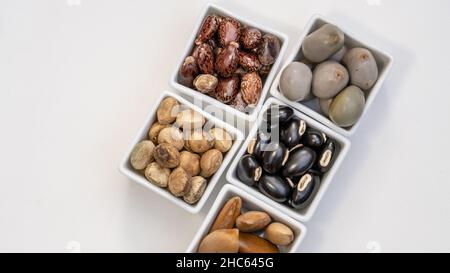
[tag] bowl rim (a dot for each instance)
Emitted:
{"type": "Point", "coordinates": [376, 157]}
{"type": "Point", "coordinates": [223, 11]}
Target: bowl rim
{"type": "Point", "coordinates": [311, 112]}
{"type": "Point", "coordinates": [302, 216]}
{"type": "Point", "coordinates": [210, 8]}
{"type": "Point", "coordinates": [298, 227]}
{"type": "Point", "coordinates": [126, 170]}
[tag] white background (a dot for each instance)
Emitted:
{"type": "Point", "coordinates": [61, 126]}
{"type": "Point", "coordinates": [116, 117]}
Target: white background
{"type": "Point", "coordinates": [78, 77]}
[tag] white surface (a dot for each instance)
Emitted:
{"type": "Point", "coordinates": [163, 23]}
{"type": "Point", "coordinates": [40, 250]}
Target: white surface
{"type": "Point", "coordinates": [76, 83]}
{"type": "Point", "coordinates": [126, 168]}
{"type": "Point", "coordinates": [305, 214]}
{"type": "Point", "coordinates": [311, 108]}
{"type": "Point", "coordinates": [249, 202]}
{"type": "Point", "coordinates": [211, 8]}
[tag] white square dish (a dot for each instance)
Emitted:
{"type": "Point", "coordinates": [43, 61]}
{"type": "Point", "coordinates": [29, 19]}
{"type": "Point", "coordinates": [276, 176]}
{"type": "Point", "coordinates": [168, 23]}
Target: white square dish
{"type": "Point", "coordinates": [311, 108]}
{"type": "Point", "coordinates": [306, 213]}
{"type": "Point", "coordinates": [214, 9]}
{"type": "Point", "coordinates": [126, 169]}
{"type": "Point", "coordinates": [249, 202]}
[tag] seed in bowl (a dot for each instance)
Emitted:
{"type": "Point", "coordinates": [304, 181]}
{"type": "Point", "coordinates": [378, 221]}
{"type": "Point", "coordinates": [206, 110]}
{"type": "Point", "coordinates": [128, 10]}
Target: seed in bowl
{"type": "Point", "coordinates": [229, 61]}
{"type": "Point", "coordinates": [341, 74]}
{"type": "Point", "coordinates": [167, 110]}
{"type": "Point", "coordinates": [180, 154]}
{"type": "Point", "coordinates": [287, 167]}
{"type": "Point", "coordinates": [142, 154]}
{"type": "Point", "coordinates": [323, 43]}
{"type": "Point", "coordinates": [347, 106]}
{"type": "Point", "coordinates": [210, 162]}
{"type": "Point", "coordinates": [157, 175]}
{"type": "Point", "coordinates": [295, 81]}
{"type": "Point", "coordinates": [198, 186]}
{"type": "Point", "coordinates": [237, 230]}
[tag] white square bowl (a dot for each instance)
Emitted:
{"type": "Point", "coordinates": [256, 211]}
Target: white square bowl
{"type": "Point", "coordinates": [311, 108]}
{"type": "Point", "coordinates": [126, 169]}
{"type": "Point", "coordinates": [306, 213]}
{"type": "Point", "coordinates": [249, 202]}
{"type": "Point", "coordinates": [214, 9]}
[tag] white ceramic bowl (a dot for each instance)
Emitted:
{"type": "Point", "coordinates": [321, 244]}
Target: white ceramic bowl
{"type": "Point", "coordinates": [306, 213]}
{"type": "Point", "coordinates": [311, 108]}
{"type": "Point", "coordinates": [249, 202]}
{"type": "Point", "coordinates": [214, 9]}
{"type": "Point", "coordinates": [134, 175]}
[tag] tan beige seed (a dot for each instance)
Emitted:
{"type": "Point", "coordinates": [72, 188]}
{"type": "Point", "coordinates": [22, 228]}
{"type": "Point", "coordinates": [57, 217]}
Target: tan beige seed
{"type": "Point", "coordinates": [198, 186]}
{"type": "Point", "coordinates": [190, 162]}
{"type": "Point", "coordinates": [167, 110]}
{"type": "Point", "coordinates": [157, 175]}
{"type": "Point", "coordinates": [228, 214]}
{"type": "Point", "coordinates": [220, 241]}
{"type": "Point", "coordinates": [223, 140]}
{"type": "Point", "coordinates": [210, 162]}
{"type": "Point", "coordinates": [154, 131]}
{"type": "Point", "coordinates": [171, 135]}
{"type": "Point", "coordinates": [142, 154]}
{"type": "Point", "coordinates": [200, 141]}
{"type": "Point", "coordinates": [252, 221]}
{"type": "Point", "coordinates": [279, 234]}
{"type": "Point", "coordinates": [167, 155]}
{"type": "Point", "coordinates": [251, 243]}
{"type": "Point", "coordinates": [190, 120]}
{"type": "Point", "coordinates": [179, 182]}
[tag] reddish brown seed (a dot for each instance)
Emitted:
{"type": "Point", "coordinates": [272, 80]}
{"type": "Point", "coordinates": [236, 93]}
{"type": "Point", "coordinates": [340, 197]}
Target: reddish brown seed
{"type": "Point", "coordinates": [227, 60]}
{"type": "Point", "coordinates": [269, 49]}
{"type": "Point", "coordinates": [227, 89]}
{"type": "Point", "coordinates": [249, 61]}
{"type": "Point", "coordinates": [238, 103]}
{"type": "Point", "coordinates": [208, 29]}
{"type": "Point", "coordinates": [188, 71]}
{"type": "Point", "coordinates": [229, 31]}
{"type": "Point", "coordinates": [205, 58]}
{"type": "Point", "coordinates": [250, 37]}
{"type": "Point", "coordinates": [251, 86]}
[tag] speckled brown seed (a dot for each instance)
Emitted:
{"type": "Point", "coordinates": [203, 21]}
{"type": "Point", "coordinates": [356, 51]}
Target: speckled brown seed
{"type": "Point", "coordinates": [208, 29]}
{"type": "Point", "coordinates": [227, 60]}
{"type": "Point", "coordinates": [250, 37]}
{"type": "Point", "coordinates": [205, 58]}
{"type": "Point", "coordinates": [269, 49]}
{"type": "Point", "coordinates": [251, 87]}
{"type": "Point", "coordinates": [227, 89]}
{"type": "Point", "coordinates": [229, 31]}
{"type": "Point", "coordinates": [188, 71]}
{"type": "Point", "coordinates": [249, 61]}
